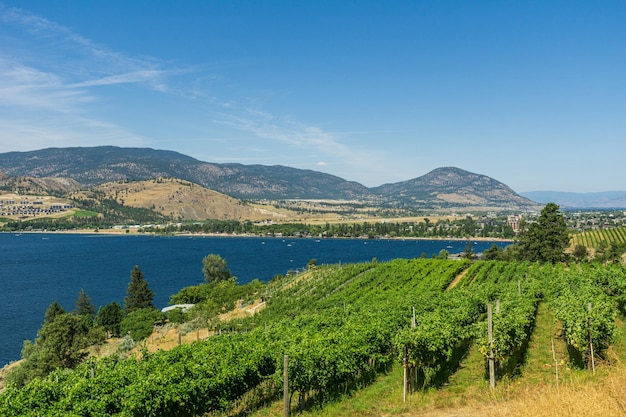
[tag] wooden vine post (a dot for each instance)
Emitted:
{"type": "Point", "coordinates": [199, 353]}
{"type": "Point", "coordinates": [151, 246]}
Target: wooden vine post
{"type": "Point", "coordinates": [492, 364]}
{"type": "Point", "coordinates": [556, 365]}
{"type": "Point", "coordinates": [406, 375]}
{"type": "Point", "coordinates": [590, 360]}
{"type": "Point", "coordinates": [286, 405]}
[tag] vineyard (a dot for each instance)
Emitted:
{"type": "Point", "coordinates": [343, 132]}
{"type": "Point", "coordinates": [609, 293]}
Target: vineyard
{"type": "Point", "coordinates": [341, 327]}
{"type": "Point", "coordinates": [592, 238]}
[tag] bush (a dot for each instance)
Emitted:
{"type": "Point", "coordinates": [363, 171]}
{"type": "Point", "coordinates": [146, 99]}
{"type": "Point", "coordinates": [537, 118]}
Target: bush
{"type": "Point", "coordinates": [140, 323]}
{"type": "Point", "coordinates": [176, 316]}
{"type": "Point", "coordinates": [127, 344]}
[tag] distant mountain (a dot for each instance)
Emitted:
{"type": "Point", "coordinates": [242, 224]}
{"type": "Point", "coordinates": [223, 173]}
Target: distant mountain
{"type": "Point", "coordinates": [31, 185]}
{"type": "Point", "coordinates": [442, 188]}
{"type": "Point", "coordinates": [599, 200]}
{"type": "Point", "coordinates": [97, 165]}
{"type": "Point", "coordinates": [453, 187]}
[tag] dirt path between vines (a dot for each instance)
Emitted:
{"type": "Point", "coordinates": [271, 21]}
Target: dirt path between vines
{"type": "Point", "coordinates": [457, 279]}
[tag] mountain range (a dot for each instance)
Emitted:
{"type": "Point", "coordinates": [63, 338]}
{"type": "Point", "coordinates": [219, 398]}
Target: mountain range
{"type": "Point", "coordinates": [442, 188]}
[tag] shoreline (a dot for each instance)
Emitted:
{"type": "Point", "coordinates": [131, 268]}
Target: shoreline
{"type": "Point", "coordinates": [128, 232]}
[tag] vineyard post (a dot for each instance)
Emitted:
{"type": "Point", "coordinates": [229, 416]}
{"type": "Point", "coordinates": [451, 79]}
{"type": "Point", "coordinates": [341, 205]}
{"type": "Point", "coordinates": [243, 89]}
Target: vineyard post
{"type": "Point", "coordinates": [556, 365]}
{"type": "Point", "coordinates": [519, 287]}
{"type": "Point", "coordinates": [413, 325]}
{"type": "Point", "coordinates": [406, 367]}
{"type": "Point", "coordinates": [590, 352]}
{"type": "Point", "coordinates": [492, 365]}
{"type": "Point", "coordinates": [179, 338]}
{"type": "Point", "coordinates": [286, 404]}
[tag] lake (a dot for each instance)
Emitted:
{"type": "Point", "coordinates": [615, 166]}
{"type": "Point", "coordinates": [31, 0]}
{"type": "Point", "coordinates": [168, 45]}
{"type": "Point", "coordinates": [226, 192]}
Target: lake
{"type": "Point", "coordinates": [39, 268]}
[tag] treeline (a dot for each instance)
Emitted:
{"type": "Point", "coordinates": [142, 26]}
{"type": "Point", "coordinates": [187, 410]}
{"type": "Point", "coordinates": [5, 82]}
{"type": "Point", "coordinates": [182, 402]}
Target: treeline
{"type": "Point", "coordinates": [467, 227]}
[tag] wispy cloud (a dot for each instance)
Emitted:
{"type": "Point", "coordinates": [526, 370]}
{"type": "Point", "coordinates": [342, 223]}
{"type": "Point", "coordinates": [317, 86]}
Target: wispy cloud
{"type": "Point", "coordinates": [47, 78]}
{"type": "Point", "coordinates": [319, 148]}
{"type": "Point", "coordinates": [293, 133]}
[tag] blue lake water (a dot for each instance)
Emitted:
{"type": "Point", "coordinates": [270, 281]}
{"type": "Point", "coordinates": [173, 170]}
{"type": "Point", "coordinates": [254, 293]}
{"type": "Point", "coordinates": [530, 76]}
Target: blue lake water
{"type": "Point", "coordinates": [38, 268]}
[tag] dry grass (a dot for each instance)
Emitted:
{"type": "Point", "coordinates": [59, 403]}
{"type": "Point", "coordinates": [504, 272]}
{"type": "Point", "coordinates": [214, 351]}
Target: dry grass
{"type": "Point", "coordinates": [186, 200]}
{"type": "Point", "coordinates": [603, 398]}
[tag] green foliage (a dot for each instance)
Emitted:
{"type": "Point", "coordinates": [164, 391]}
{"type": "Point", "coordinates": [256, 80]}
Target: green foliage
{"type": "Point", "coordinates": [583, 308]}
{"type": "Point", "coordinates": [545, 240]}
{"type": "Point", "coordinates": [216, 297]}
{"type": "Point", "coordinates": [53, 311]}
{"type": "Point", "coordinates": [340, 326]}
{"type": "Point", "coordinates": [580, 252]}
{"type": "Point", "coordinates": [109, 318]}
{"type": "Point", "coordinates": [83, 305]}
{"type": "Point", "coordinates": [215, 269]}
{"type": "Point", "coordinates": [59, 344]}
{"type": "Point", "coordinates": [176, 316]}
{"type": "Point", "coordinates": [493, 253]}
{"type": "Point", "coordinates": [140, 323]}
{"type": "Point", "coordinates": [138, 294]}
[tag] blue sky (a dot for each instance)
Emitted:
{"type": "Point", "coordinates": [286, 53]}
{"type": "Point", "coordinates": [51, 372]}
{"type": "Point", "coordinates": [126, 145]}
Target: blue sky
{"type": "Point", "coordinates": [530, 93]}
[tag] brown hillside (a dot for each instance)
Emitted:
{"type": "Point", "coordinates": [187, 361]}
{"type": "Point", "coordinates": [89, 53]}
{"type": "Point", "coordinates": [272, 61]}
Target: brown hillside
{"type": "Point", "coordinates": [185, 200]}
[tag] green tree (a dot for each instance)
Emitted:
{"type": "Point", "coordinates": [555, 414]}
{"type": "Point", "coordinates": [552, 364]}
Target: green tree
{"type": "Point", "coordinates": [53, 311]}
{"type": "Point", "coordinates": [83, 305]}
{"type": "Point", "coordinates": [109, 317]}
{"type": "Point", "coordinates": [493, 253]}
{"type": "Point", "coordinates": [311, 264]}
{"type": "Point", "coordinates": [614, 254]}
{"type": "Point", "coordinates": [64, 339]}
{"type": "Point", "coordinates": [601, 252]}
{"type": "Point", "coordinates": [580, 252]}
{"type": "Point", "coordinates": [140, 323]}
{"type": "Point", "coordinates": [215, 269]}
{"type": "Point", "coordinates": [546, 239]}
{"type": "Point", "coordinates": [59, 344]}
{"type": "Point", "coordinates": [138, 294]}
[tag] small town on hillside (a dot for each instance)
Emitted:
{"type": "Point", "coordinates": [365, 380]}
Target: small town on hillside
{"type": "Point", "coordinates": [23, 207]}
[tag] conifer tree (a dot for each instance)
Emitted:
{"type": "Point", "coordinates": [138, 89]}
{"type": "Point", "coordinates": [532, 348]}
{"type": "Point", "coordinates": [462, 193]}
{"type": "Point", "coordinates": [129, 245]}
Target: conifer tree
{"type": "Point", "coordinates": [53, 311]}
{"type": "Point", "coordinates": [138, 295]}
{"type": "Point", "coordinates": [83, 305]}
{"type": "Point", "coordinates": [545, 240]}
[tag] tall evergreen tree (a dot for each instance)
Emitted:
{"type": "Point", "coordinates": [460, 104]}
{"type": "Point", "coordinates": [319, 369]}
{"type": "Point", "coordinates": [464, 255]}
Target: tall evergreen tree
{"type": "Point", "coordinates": [83, 305]}
{"type": "Point", "coordinates": [53, 311]}
{"type": "Point", "coordinates": [546, 239]}
{"type": "Point", "coordinates": [138, 295]}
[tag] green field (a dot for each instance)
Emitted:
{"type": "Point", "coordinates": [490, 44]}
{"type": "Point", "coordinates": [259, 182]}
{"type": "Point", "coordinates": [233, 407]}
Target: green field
{"type": "Point", "coordinates": [591, 239]}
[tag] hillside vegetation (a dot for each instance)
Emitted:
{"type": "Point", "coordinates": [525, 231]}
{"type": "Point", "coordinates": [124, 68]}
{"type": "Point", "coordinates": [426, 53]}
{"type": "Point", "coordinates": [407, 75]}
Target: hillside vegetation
{"type": "Point", "coordinates": [183, 200]}
{"type": "Point", "coordinates": [347, 331]}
